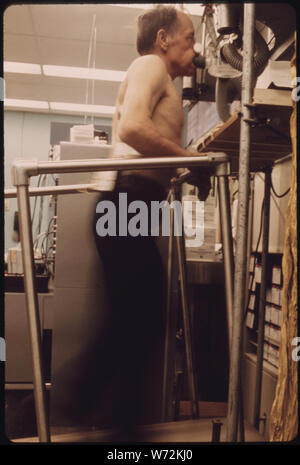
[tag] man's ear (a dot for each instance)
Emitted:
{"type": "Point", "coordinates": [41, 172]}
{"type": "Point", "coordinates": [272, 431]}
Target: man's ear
{"type": "Point", "coordinates": [162, 39]}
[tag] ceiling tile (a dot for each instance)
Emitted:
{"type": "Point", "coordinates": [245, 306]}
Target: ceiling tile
{"type": "Point", "coordinates": [59, 34]}
{"type": "Point", "coordinates": [17, 20]}
{"type": "Point", "coordinates": [59, 90]}
{"type": "Point", "coordinates": [75, 53]}
{"type": "Point", "coordinates": [21, 48]}
{"type": "Point", "coordinates": [75, 22]}
{"type": "Point", "coordinates": [16, 78]}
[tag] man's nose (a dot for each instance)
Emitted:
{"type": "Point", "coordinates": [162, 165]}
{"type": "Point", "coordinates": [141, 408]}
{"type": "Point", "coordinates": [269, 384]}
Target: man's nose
{"type": "Point", "coordinates": [197, 48]}
{"type": "Point", "coordinates": [198, 60]}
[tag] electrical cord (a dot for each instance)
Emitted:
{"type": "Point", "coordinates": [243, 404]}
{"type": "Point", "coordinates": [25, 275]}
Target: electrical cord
{"type": "Point", "coordinates": [45, 249]}
{"type": "Point", "coordinates": [35, 200]}
{"type": "Point", "coordinates": [45, 233]}
{"type": "Point", "coordinates": [275, 193]}
{"type": "Point", "coordinates": [50, 248]}
{"type": "Point", "coordinates": [37, 239]}
{"type": "Point", "coordinates": [279, 196]}
{"type": "Point", "coordinates": [53, 231]}
{"type": "Point", "coordinates": [41, 211]}
{"type": "Point", "coordinates": [52, 219]}
{"type": "Point", "coordinates": [46, 236]}
{"type": "Point", "coordinates": [41, 182]}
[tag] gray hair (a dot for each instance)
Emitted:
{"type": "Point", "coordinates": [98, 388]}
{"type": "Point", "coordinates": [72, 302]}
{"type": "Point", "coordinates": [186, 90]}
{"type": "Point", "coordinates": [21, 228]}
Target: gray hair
{"type": "Point", "coordinates": [149, 23]}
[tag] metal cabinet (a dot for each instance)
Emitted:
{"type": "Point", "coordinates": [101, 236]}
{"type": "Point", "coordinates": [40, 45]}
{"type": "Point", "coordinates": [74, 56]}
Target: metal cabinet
{"type": "Point", "coordinates": [18, 368]}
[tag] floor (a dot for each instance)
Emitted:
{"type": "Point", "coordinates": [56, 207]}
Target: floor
{"type": "Point", "coordinates": [188, 431]}
{"type": "Point", "coordinates": [20, 425]}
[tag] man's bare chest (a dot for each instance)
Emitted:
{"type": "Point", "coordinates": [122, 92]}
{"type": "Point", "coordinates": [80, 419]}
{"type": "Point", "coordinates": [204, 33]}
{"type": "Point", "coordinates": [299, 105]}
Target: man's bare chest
{"type": "Point", "coordinates": [168, 110]}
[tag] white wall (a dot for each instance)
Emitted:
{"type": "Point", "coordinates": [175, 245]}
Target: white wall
{"type": "Point", "coordinates": [281, 179]}
{"type": "Point", "coordinates": [27, 135]}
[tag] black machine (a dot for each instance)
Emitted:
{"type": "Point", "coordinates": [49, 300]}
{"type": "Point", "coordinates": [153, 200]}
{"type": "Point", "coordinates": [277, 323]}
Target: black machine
{"type": "Point", "coordinates": [218, 77]}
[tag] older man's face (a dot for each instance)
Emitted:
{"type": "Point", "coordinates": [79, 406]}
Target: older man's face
{"type": "Point", "coordinates": [181, 46]}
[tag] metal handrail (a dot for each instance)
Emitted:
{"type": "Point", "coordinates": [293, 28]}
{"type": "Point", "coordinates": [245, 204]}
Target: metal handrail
{"type": "Point", "coordinates": [22, 171]}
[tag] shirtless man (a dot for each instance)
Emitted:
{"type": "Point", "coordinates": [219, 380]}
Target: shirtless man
{"type": "Point", "coordinates": [152, 119]}
{"type": "Point", "coordinates": [149, 116]}
{"type": "Point", "coordinates": [148, 122]}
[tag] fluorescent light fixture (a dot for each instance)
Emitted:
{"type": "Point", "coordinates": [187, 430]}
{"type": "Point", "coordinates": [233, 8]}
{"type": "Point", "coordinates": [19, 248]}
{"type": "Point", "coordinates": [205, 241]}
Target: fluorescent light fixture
{"type": "Point", "coordinates": [141, 6]}
{"type": "Point", "coordinates": [24, 68]}
{"type": "Point", "coordinates": [20, 103]}
{"type": "Point", "coordinates": [59, 106]}
{"type": "Point", "coordinates": [194, 9]}
{"type": "Point", "coordinates": [84, 73]}
{"type": "Point", "coordinates": [82, 108]}
{"type": "Point", "coordinates": [65, 71]}
{"type": "Point", "coordinates": [190, 8]}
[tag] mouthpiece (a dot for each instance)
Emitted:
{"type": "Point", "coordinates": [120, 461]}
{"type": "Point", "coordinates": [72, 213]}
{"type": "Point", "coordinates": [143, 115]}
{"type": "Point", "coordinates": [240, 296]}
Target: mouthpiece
{"type": "Point", "coordinates": [199, 61]}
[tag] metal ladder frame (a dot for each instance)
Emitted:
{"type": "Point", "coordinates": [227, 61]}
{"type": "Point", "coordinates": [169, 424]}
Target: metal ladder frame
{"type": "Point", "coordinates": [222, 172]}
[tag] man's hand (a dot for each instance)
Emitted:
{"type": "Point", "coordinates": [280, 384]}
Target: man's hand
{"type": "Point", "coordinates": [200, 178]}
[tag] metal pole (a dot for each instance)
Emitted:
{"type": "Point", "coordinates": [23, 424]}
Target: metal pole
{"type": "Point", "coordinates": [262, 298]}
{"type": "Point", "coordinates": [241, 431]}
{"type": "Point", "coordinates": [216, 430]}
{"type": "Point", "coordinates": [33, 313]}
{"type": "Point", "coordinates": [185, 311]}
{"type": "Point", "coordinates": [229, 270]}
{"type": "Point", "coordinates": [227, 248]}
{"type": "Point", "coordinates": [169, 333]}
{"type": "Point", "coordinates": [241, 248]}
{"type": "Point", "coordinates": [250, 236]}
{"type": "Point", "coordinates": [34, 168]}
{"type": "Point", "coordinates": [52, 190]}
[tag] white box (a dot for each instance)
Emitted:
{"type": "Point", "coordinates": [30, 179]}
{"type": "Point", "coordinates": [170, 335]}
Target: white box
{"type": "Point", "coordinates": [266, 350]}
{"type": "Point", "coordinates": [274, 315]}
{"type": "Point", "coordinates": [276, 295]}
{"type": "Point", "coordinates": [257, 273]}
{"type": "Point", "coordinates": [251, 263]}
{"type": "Point", "coordinates": [271, 358]}
{"type": "Point", "coordinates": [269, 295]}
{"type": "Point", "coordinates": [274, 355]}
{"type": "Point", "coordinates": [268, 313]}
{"type": "Point", "coordinates": [279, 316]}
{"type": "Point", "coordinates": [250, 319]}
{"type": "Point", "coordinates": [271, 354]}
{"type": "Point", "coordinates": [280, 296]}
{"type": "Point", "coordinates": [252, 302]}
{"type": "Point", "coordinates": [277, 334]}
{"type": "Point", "coordinates": [252, 283]}
{"type": "Point", "coordinates": [82, 134]}
{"type": "Point", "coordinates": [274, 334]}
{"type": "Point", "coordinates": [276, 275]}
{"type": "Point", "coordinates": [267, 330]}
{"type": "Point", "coordinates": [14, 261]}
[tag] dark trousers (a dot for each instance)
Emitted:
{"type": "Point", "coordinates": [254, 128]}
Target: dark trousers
{"type": "Point", "coordinates": [135, 320]}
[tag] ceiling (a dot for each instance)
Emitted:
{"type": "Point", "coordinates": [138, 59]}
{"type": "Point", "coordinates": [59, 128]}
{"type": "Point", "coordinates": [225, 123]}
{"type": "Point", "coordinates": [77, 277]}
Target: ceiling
{"type": "Point", "coordinates": [60, 35]}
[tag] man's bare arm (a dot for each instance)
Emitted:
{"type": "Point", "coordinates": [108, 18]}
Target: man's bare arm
{"type": "Point", "coordinates": [147, 81]}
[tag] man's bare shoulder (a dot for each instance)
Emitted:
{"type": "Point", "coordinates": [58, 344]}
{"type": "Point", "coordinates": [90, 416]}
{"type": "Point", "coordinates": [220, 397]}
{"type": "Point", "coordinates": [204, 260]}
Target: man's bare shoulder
{"type": "Point", "coordinates": [148, 63]}
{"type": "Point", "coordinates": [146, 73]}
